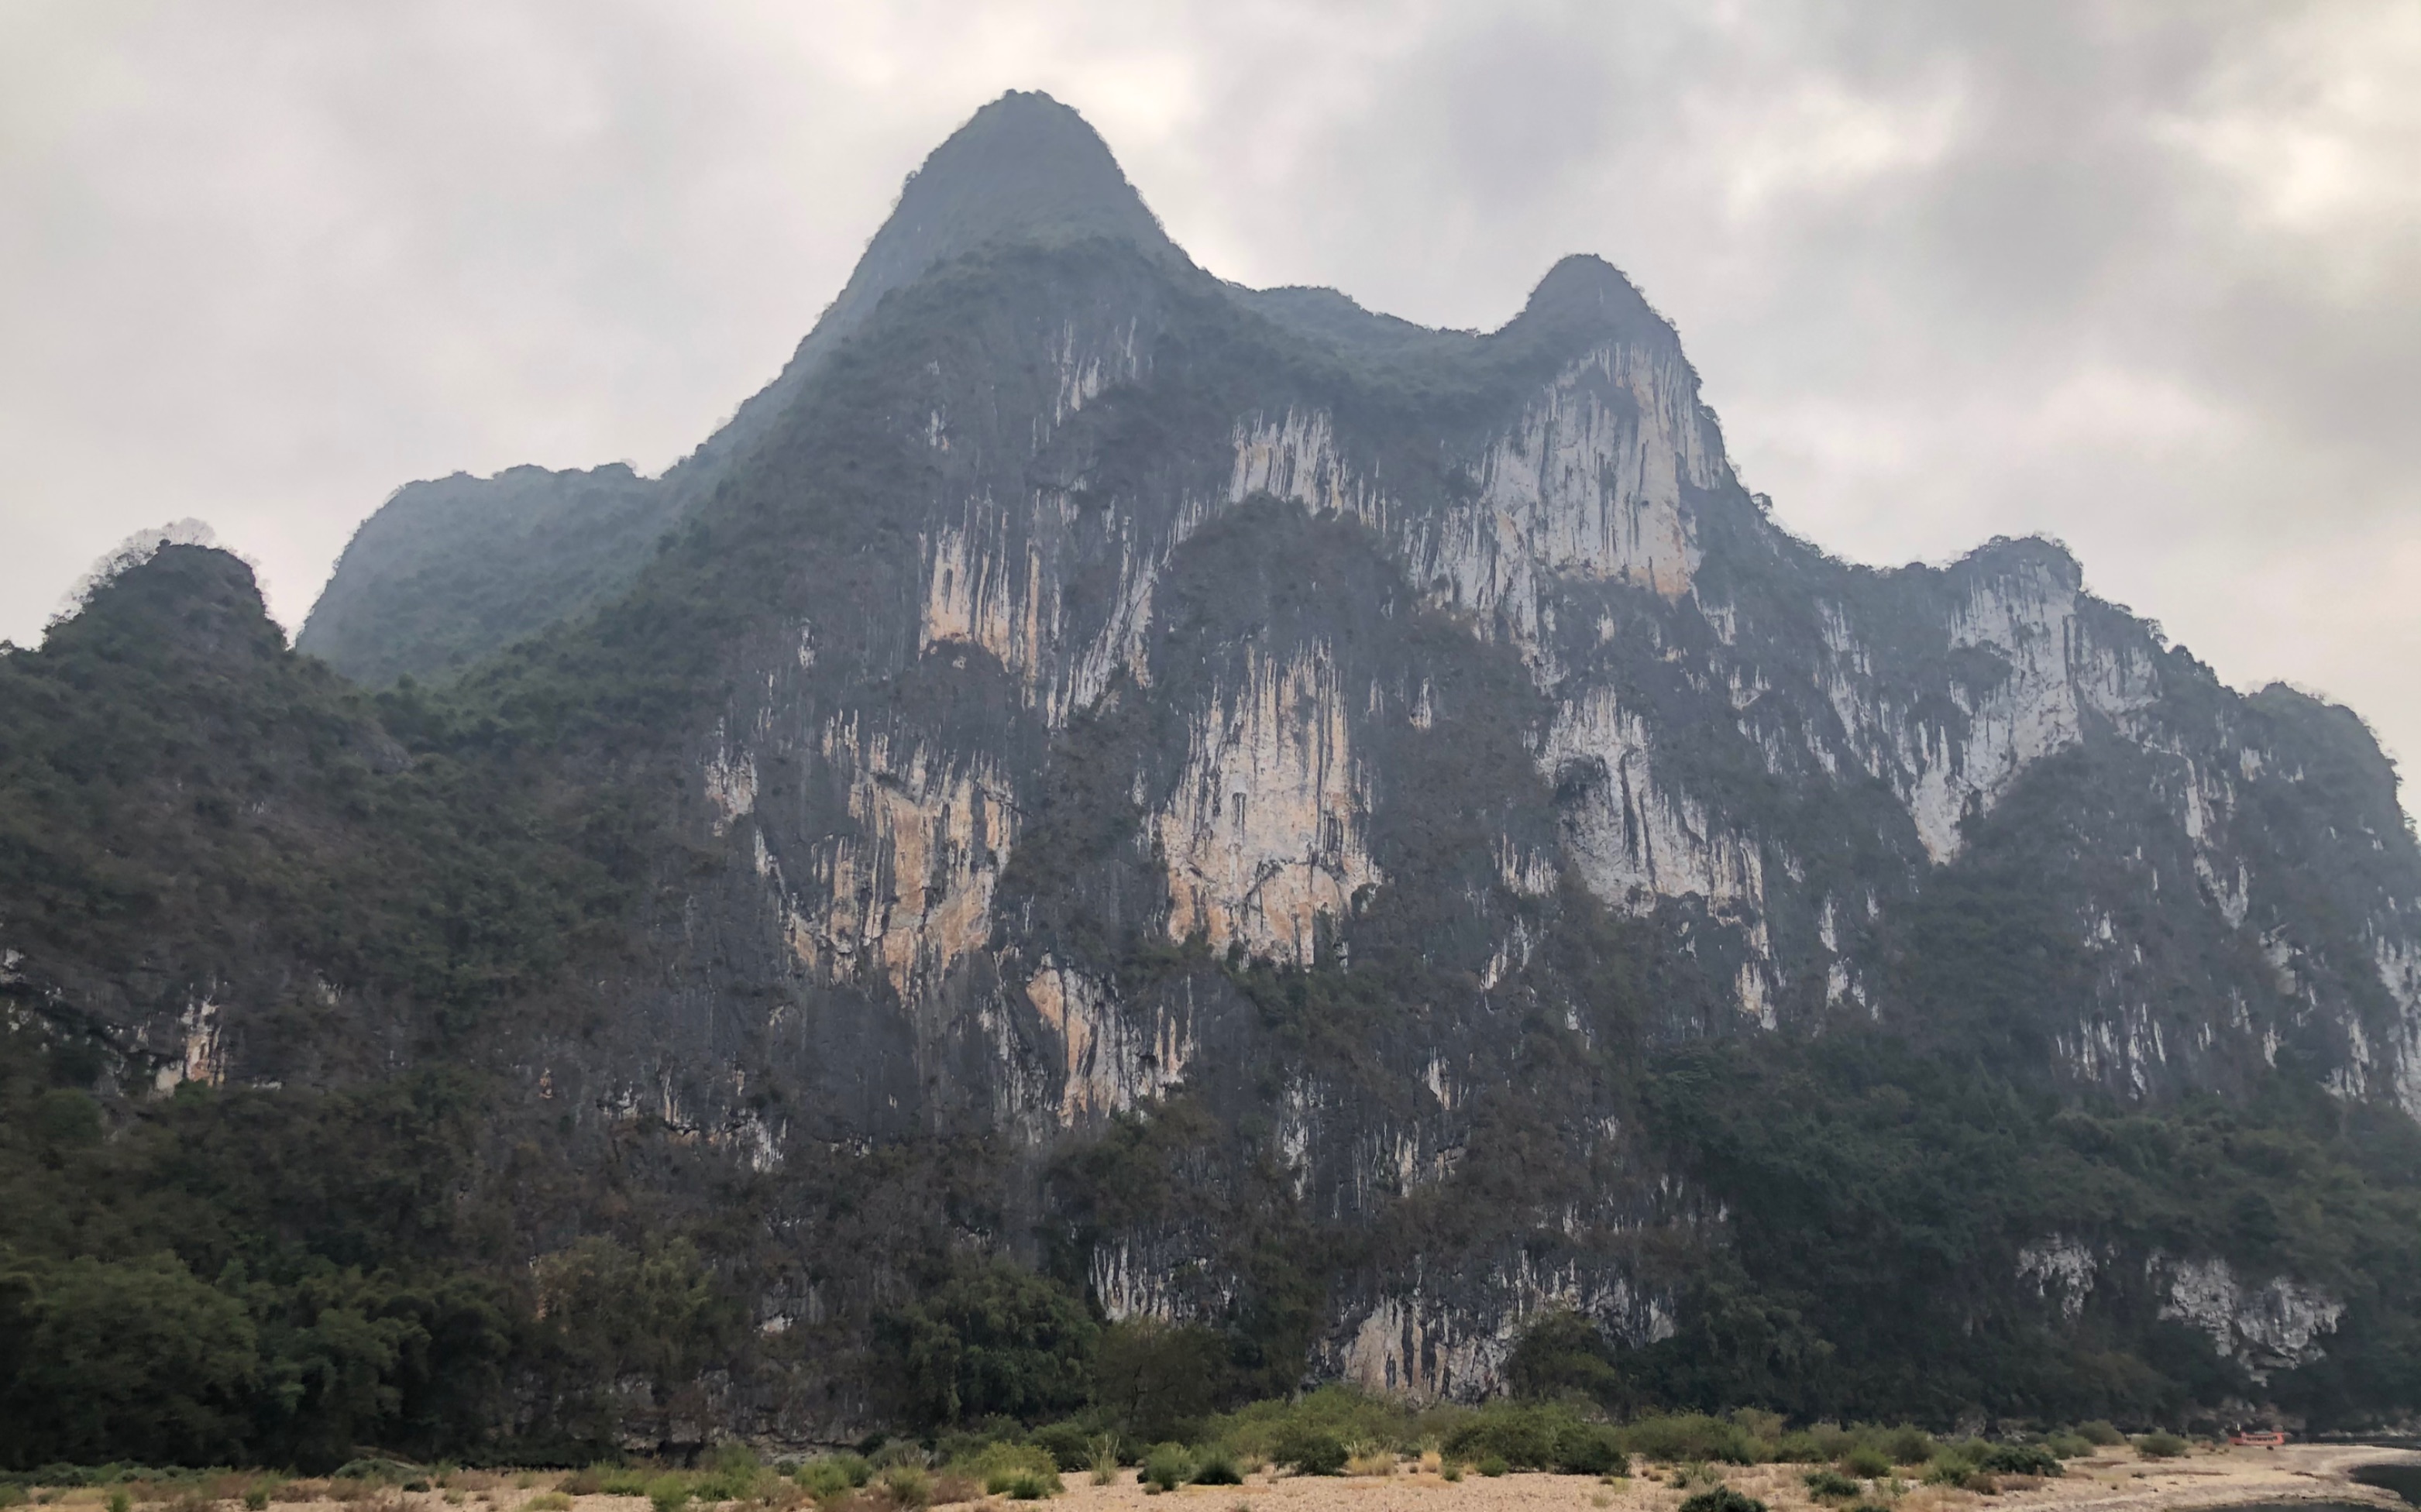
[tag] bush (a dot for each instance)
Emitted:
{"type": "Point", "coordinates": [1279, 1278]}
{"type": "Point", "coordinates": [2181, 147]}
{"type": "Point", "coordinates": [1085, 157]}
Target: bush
{"type": "Point", "coordinates": [668, 1493]}
{"type": "Point", "coordinates": [1308, 1451]}
{"type": "Point", "coordinates": [548, 1501]}
{"type": "Point", "coordinates": [2068, 1446]}
{"type": "Point", "coordinates": [1001, 1464]}
{"type": "Point", "coordinates": [1722, 1499]}
{"type": "Point", "coordinates": [1590, 1449]}
{"type": "Point", "coordinates": [831, 1476]}
{"type": "Point", "coordinates": [1866, 1462]}
{"type": "Point", "coordinates": [1831, 1486]}
{"type": "Point", "coordinates": [1908, 1445]}
{"type": "Point", "coordinates": [1690, 1437]}
{"type": "Point", "coordinates": [2101, 1433]}
{"type": "Point", "coordinates": [908, 1486]}
{"type": "Point", "coordinates": [1167, 1467]}
{"type": "Point", "coordinates": [1491, 1466]}
{"type": "Point", "coordinates": [1025, 1485]}
{"type": "Point", "coordinates": [1217, 1467]}
{"type": "Point", "coordinates": [2020, 1459]}
{"type": "Point", "coordinates": [2161, 1446]}
{"type": "Point", "coordinates": [1106, 1459]}
{"type": "Point", "coordinates": [1522, 1436]}
{"type": "Point", "coordinates": [1070, 1444]}
{"type": "Point", "coordinates": [732, 1470]}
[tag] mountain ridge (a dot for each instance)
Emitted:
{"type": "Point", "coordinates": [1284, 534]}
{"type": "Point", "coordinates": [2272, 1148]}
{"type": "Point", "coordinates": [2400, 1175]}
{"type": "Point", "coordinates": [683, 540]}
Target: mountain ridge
{"type": "Point", "coordinates": [1217, 813]}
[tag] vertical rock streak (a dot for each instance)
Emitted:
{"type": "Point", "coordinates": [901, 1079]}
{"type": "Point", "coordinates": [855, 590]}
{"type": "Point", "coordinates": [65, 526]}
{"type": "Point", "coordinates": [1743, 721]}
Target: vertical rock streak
{"type": "Point", "coordinates": [908, 895]}
{"type": "Point", "coordinates": [1265, 831]}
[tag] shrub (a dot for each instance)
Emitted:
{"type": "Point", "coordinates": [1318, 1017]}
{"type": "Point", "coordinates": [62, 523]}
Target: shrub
{"type": "Point", "coordinates": [1523, 1437]}
{"type": "Point", "coordinates": [1167, 1467]}
{"type": "Point", "coordinates": [548, 1501]}
{"type": "Point", "coordinates": [2020, 1459]}
{"type": "Point", "coordinates": [120, 1501]}
{"type": "Point", "coordinates": [2160, 1446]}
{"type": "Point", "coordinates": [1692, 1436]}
{"type": "Point", "coordinates": [1216, 1467]}
{"type": "Point", "coordinates": [831, 1476]}
{"type": "Point", "coordinates": [668, 1493]}
{"type": "Point", "coordinates": [1722, 1499]}
{"type": "Point", "coordinates": [732, 1470]}
{"type": "Point", "coordinates": [1866, 1462]}
{"type": "Point", "coordinates": [256, 1499]}
{"type": "Point", "coordinates": [1308, 1451]}
{"type": "Point", "coordinates": [1001, 1463]}
{"type": "Point", "coordinates": [908, 1486]}
{"type": "Point", "coordinates": [1106, 1459]}
{"type": "Point", "coordinates": [1806, 1447]}
{"type": "Point", "coordinates": [1493, 1466]}
{"type": "Point", "coordinates": [2100, 1432]}
{"type": "Point", "coordinates": [1070, 1444]}
{"type": "Point", "coordinates": [1025, 1485]}
{"type": "Point", "coordinates": [1831, 1486]}
{"type": "Point", "coordinates": [2068, 1446]}
{"type": "Point", "coordinates": [1908, 1445]}
{"type": "Point", "coordinates": [1590, 1449]}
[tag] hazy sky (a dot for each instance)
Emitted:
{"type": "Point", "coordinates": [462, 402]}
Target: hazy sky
{"type": "Point", "coordinates": [2144, 277]}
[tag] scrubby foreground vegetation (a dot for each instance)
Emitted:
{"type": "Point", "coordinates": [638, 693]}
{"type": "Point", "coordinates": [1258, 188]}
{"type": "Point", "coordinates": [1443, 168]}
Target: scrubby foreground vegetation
{"type": "Point", "coordinates": [1334, 1431]}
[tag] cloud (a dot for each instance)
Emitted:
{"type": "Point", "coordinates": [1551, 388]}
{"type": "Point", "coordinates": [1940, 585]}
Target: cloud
{"type": "Point", "coordinates": [2140, 275]}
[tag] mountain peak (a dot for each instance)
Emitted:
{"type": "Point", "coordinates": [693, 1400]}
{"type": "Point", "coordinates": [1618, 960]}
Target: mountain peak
{"type": "Point", "coordinates": [1586, 291]}
{"type": "Point", "coordinates": [1024, 164]}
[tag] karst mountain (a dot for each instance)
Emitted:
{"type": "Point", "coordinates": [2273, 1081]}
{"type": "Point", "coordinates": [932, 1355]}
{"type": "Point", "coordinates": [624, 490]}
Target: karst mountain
{"type": "Point", "coordinates": [1205, 812]}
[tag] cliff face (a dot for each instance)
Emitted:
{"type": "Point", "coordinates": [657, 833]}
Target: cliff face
{"type": "Point", "coordinates": [1176, 630]}
{"type": "Point", "coordinates": [1325, 770]}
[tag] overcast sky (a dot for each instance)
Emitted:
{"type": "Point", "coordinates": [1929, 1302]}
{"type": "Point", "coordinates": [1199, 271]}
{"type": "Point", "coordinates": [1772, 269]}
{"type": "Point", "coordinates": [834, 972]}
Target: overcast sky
{"type": "Point", "coordinates": [2146, 278]}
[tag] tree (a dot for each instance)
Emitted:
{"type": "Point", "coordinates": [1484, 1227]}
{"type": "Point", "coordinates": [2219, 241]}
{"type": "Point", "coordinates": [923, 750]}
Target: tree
{"type": "Point", "coordinates": [136, 1360]}
{"type": "Point", "coordinates": [994, 1338]}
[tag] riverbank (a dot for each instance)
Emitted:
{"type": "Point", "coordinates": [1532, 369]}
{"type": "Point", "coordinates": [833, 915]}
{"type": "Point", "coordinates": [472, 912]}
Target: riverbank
{"type": "Point", "coordinates": [2116, 1481]}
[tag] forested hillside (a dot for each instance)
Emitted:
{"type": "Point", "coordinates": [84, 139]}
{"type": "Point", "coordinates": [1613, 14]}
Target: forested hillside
{"type": "Point", "coordinates": [1123, 846]}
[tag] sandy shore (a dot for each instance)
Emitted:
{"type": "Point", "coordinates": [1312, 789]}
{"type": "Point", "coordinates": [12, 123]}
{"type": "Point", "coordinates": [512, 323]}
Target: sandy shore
{"type": "Point", "coordinates": [2115, 1482]}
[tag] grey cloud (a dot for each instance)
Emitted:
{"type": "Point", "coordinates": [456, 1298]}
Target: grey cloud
{"type": "Point", "coordinates": [2140, 275]}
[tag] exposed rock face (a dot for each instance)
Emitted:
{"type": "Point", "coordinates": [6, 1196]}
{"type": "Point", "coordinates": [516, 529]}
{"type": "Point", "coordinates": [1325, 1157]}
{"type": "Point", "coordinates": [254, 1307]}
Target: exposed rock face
{"type": "Point", "coordinates": [2274, 1326]}
{"type": "Point", "coordinates": [1108, 658]}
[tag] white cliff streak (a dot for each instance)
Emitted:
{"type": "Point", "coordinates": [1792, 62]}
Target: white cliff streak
{"type": "Point", "coordinates": [1264, 832]}
{"type": "Point", "coordinates": [1110, 1059]}
{"type": "Point", "coordinates": [2062, 1270]}
{"type": "Point", "coordinates": [1634, 835]}
{"type": "Point", "coordinates": [1419, 1345]}
{"type": "Point", "coordinates": [908, 894]}
{"type": "Point", "coordinates": [2267, 1328]}
{"type": "Point", "coordinates": [2053, 675]}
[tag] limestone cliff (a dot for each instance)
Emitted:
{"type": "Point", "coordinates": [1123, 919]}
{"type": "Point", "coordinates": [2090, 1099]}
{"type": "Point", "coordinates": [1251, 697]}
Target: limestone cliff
{"type": "Point", "coordinates": [1096, 715]}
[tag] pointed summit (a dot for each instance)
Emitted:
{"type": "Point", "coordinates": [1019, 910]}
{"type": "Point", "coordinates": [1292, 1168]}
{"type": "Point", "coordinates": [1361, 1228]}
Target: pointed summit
{"type": "Point", "coordinates": [1587, 292]}
{"type": "Point", "coordinates": [1024, 167]}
